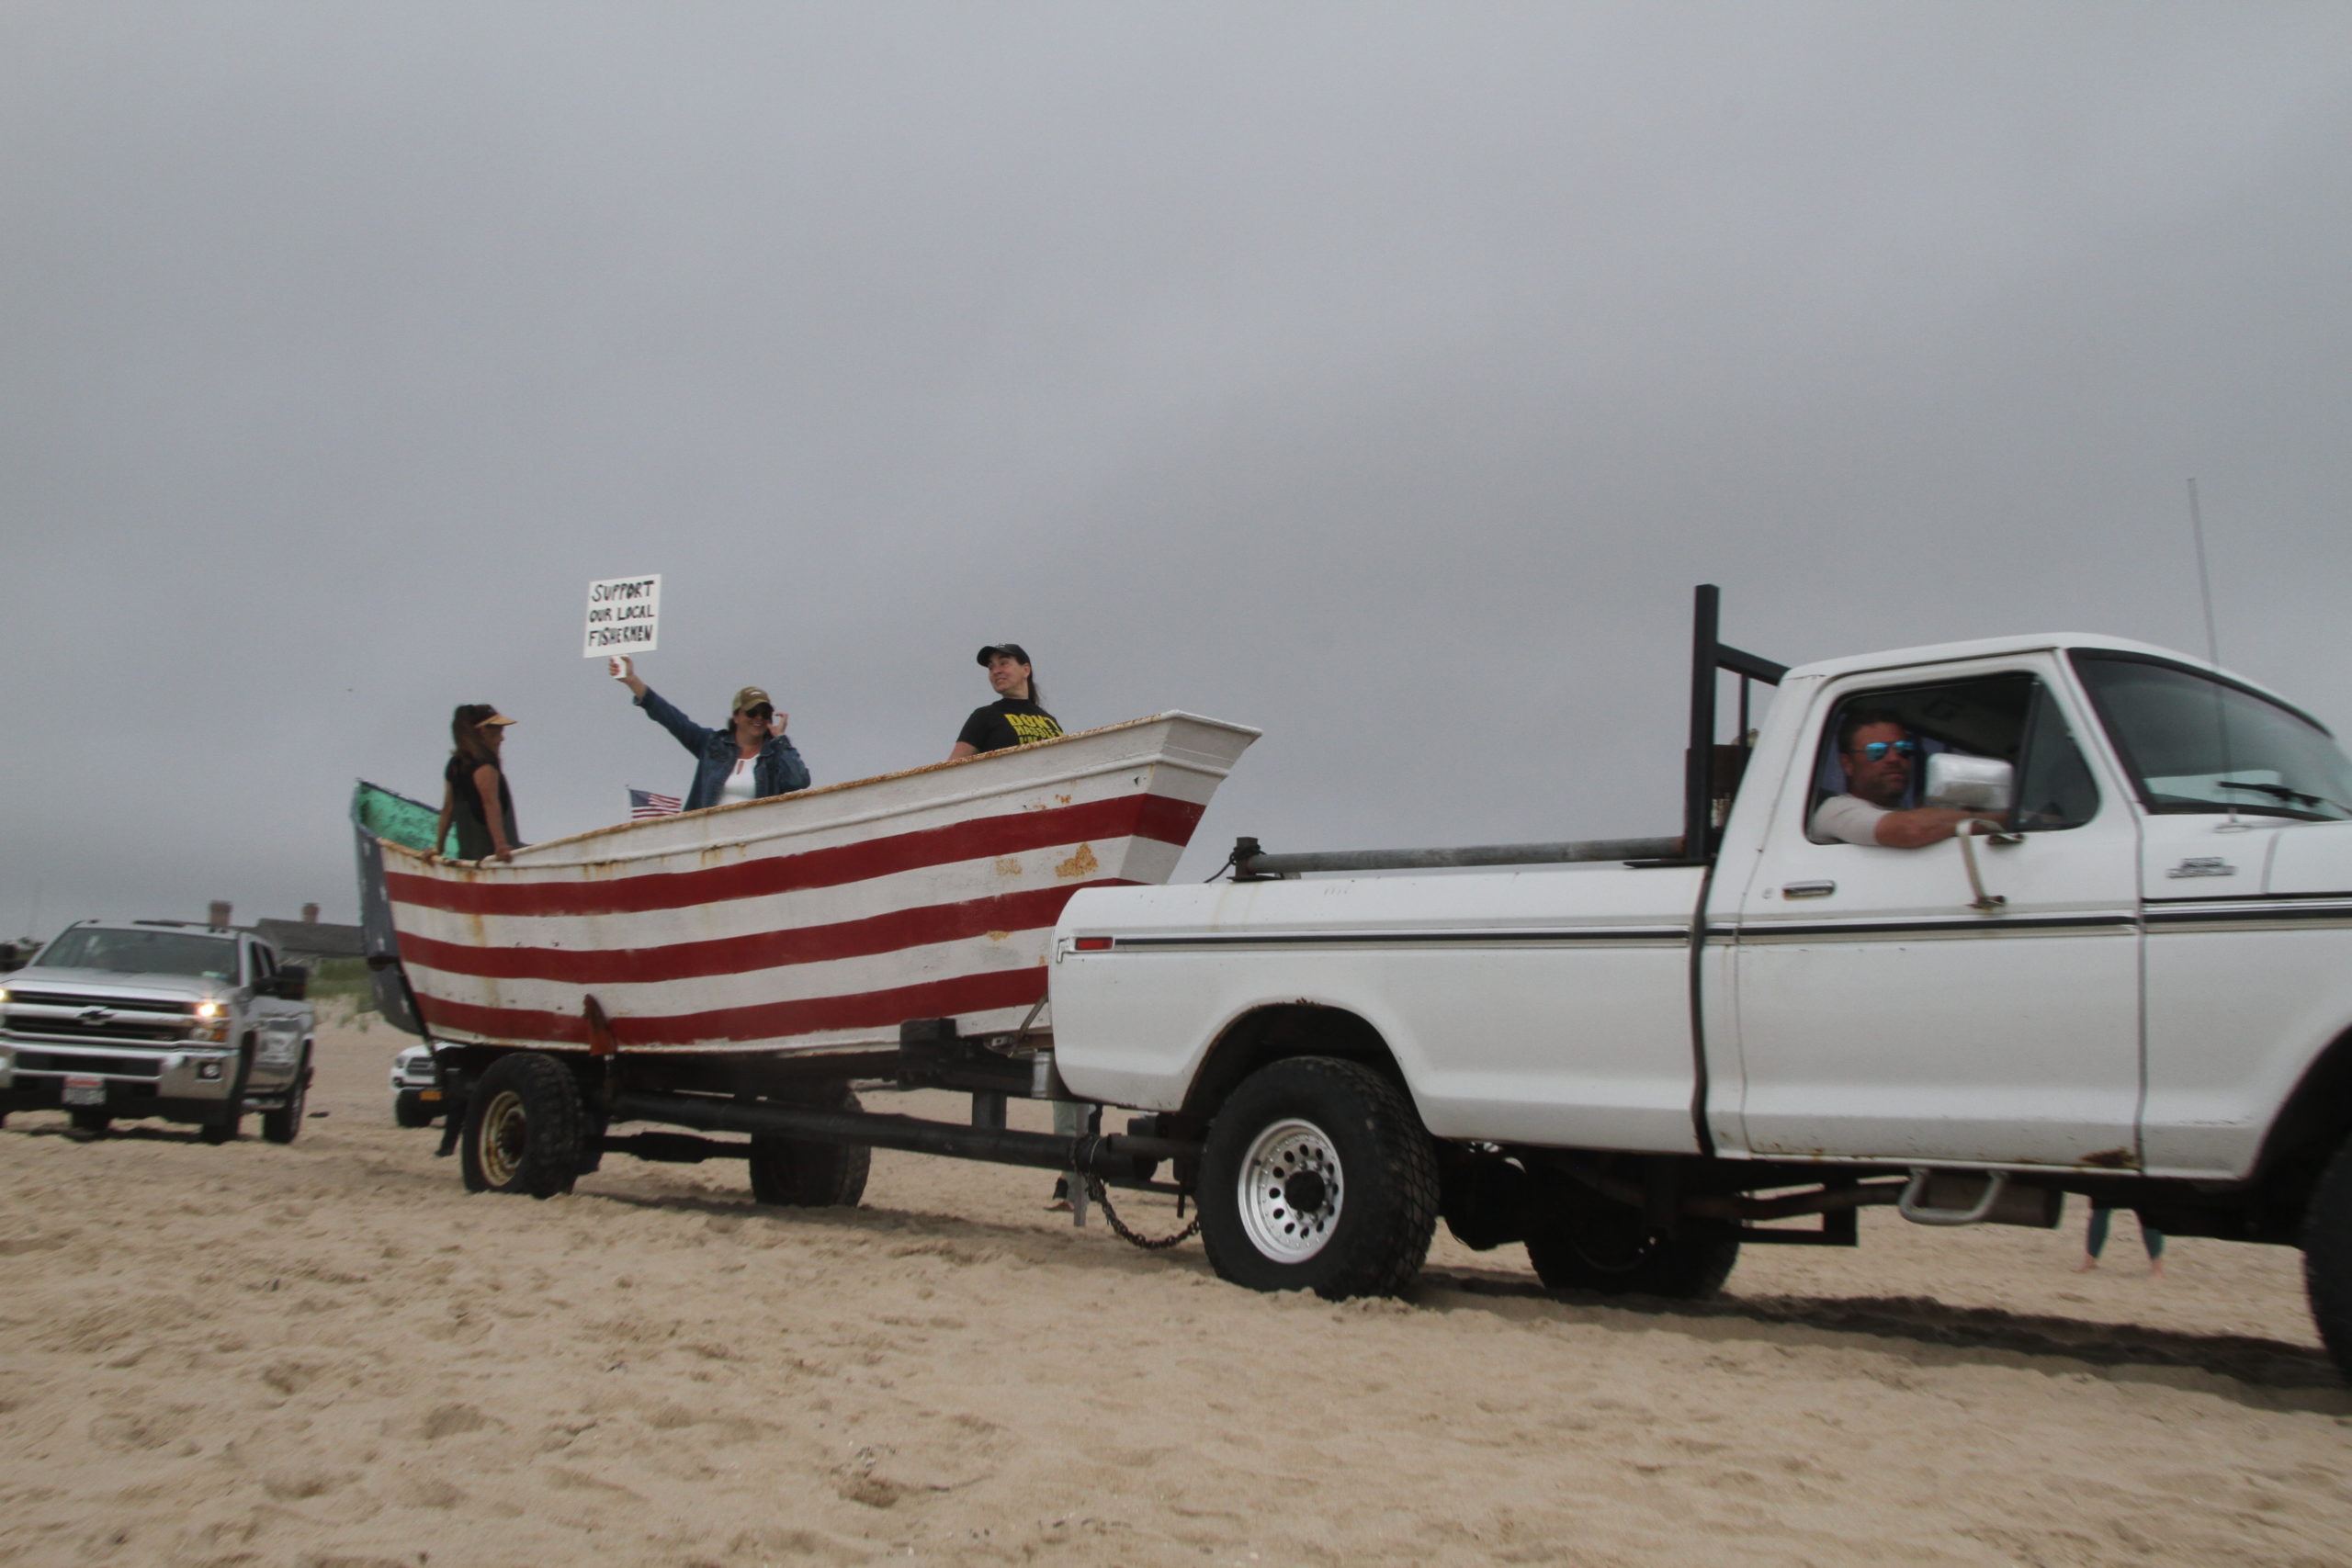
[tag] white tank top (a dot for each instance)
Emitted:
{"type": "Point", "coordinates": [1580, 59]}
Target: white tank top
{"type": "Point", "coordinates": [741, 785]}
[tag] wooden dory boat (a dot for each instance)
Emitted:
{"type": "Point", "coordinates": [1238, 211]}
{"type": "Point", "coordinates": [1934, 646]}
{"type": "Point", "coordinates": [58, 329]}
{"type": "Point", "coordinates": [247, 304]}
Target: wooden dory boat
{"type": "Point", "coordinates": [814, 922]}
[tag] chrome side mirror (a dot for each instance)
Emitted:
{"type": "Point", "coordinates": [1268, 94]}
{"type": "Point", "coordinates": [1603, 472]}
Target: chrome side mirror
{"type": "Point", "coordinates": [1969, 784]}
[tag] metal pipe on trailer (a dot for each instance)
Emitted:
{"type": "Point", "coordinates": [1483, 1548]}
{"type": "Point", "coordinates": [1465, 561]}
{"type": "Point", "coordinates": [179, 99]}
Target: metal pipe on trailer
{"type": "Point", "coordinates": [1106, 1155]}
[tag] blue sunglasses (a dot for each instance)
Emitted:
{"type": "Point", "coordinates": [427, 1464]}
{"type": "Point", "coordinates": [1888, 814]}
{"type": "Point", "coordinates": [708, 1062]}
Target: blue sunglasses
{"type": "Point", "coordinates": [1877, 750]}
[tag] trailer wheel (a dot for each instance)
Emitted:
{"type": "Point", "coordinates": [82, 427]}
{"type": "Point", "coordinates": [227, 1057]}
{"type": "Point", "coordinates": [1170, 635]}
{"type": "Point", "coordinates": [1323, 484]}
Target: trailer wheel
{"type": "Point", "coordinates": [2327, 1257]}
{"type": "Point", "coordinates": [1317, 1176]}
{"type": "Point", "coordinates": [524, 1127]}
{"type": "Point", "coordinates": [410, 1110]}
{"type": "Point", "coordinates": [285, 1125]}
{"type": "Point", "coordinates": [1615, 1253]}
{"type": "Point", "coordinates": [800, 1173]}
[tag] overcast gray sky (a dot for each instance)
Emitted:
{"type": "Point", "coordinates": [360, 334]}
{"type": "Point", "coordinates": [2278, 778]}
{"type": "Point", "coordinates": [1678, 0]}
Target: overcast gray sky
{"type": "Point", "coordinates": [1379, 375]}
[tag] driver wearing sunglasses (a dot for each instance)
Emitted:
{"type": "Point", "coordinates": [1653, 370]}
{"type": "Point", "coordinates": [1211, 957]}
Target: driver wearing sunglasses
{"type": "Point", "coordinates": [1878, 755]}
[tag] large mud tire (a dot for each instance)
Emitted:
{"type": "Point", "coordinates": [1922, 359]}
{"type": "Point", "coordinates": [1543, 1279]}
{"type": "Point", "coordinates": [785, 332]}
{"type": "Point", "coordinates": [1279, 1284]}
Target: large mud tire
{"type": "Point", "coordinates": [524, 1127]}
{"type": "Point", "coordinates": [1612, 1254]}
{"type": "Point", "coordinates": [800, 1173]}
{"type": "Point", "coordinates": [1317, 1176]}
{"type": "Point", "coordinates": [284, 1124]}
{"type": "Point", "coordinates": [2327, 1257]}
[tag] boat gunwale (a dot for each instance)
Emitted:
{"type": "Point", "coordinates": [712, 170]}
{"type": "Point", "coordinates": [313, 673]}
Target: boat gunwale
{"type": "Point", "coordinates": [440, 866]}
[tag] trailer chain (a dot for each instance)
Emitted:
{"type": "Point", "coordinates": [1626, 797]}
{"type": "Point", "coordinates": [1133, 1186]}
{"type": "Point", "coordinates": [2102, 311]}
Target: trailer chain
{"type": "Point", "coordinates": [1101, 1194]}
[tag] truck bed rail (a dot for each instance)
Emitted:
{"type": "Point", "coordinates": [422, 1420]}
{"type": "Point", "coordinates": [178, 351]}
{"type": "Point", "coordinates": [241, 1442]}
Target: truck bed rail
{"type": "Point", "coordinates": [1251, 862]}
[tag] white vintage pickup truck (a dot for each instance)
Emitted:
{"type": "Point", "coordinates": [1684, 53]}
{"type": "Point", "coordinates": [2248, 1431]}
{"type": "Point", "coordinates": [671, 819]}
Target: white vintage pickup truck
{"type": "Point", "coordinates": [2130, 978]}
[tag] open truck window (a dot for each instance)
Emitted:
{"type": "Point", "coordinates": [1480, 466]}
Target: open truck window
{"type": "Point", "coordinates": [2011, 718]}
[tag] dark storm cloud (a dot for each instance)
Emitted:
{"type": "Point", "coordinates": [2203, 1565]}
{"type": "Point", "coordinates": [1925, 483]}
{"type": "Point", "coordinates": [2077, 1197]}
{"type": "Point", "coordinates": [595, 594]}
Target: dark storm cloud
{"type": "Point", "coordinates": [1381, 377]}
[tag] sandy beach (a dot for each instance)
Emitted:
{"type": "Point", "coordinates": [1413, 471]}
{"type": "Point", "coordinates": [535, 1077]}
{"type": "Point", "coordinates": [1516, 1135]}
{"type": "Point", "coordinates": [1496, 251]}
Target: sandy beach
{"type": "Point", "coordinates": [330, 1356]}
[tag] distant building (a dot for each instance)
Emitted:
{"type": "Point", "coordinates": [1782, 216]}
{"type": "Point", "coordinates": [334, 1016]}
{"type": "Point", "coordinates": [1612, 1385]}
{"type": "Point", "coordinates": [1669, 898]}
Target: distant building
{"type": "Point", "coordinates": [310, 939]}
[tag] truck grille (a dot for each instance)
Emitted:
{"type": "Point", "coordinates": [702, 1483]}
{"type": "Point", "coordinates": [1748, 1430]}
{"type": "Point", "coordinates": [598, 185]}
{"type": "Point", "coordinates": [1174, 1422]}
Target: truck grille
{"type": "Point", "coordinates": [126, 1030]}
{"type": "Point", "coordinates": [57, 1015]}
{"type": "Point", "coordinates": [44, 999]}
{"type": "Point", "coordinates": [87, 1062]}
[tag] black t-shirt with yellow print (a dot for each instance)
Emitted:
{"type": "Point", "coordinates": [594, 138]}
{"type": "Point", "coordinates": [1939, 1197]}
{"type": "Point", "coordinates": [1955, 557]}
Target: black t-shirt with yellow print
{"type": "Point", "coordinates": [1008, 721]}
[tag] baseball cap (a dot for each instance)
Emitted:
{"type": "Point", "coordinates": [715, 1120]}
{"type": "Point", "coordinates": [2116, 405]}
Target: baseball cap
{"type": "Point", "coordinates": [750, 698]}
{"type": "Point", "coordinates": [1011, 651]}
{"type": "Point", "coordinates": [496, 718]}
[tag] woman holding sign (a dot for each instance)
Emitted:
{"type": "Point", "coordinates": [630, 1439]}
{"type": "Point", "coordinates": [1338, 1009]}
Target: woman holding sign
{"type": "Point", "coordinates": [750, 760]}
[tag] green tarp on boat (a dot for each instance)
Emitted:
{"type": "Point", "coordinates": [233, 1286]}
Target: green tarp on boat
{"type": "Point", "coordinates": [379, 814]}
{"type": "Point", "coordinates": [408, 823]}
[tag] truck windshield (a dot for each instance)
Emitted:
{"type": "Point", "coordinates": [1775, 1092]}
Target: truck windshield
{"type": "Point", "coordinates": [2194, 743]}
{"type": "Point", "coordinates": [144, 953]}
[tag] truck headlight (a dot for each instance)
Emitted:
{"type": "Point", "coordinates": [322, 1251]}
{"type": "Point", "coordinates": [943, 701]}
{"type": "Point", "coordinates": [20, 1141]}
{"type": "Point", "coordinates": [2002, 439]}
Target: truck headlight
{"type": "Point", "coordinates": [212, 1022]}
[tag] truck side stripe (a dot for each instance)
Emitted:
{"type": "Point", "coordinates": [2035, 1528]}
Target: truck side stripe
{"type": "Point", "coordinates": [1502, 936]}
{"type": "Point", "coordinates": [1973, 926]}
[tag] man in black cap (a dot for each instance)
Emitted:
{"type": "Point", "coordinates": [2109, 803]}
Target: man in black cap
{"type": "Point", "coordinates": [1016, 717]}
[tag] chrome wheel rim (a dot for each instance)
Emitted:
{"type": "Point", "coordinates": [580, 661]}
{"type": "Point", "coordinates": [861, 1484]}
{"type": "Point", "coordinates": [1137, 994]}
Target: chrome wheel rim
{"type": "Point", "coordinates": [505, 1133]}
{"type": "Point", "coordinates": [1290, 1192]}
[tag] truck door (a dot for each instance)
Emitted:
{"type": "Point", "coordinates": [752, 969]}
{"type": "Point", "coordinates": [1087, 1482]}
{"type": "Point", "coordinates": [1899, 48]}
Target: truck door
{"type": "Point", "coordinates": [2243, 804]}
{"type": "Point", "coordinates": [1882, 1014]}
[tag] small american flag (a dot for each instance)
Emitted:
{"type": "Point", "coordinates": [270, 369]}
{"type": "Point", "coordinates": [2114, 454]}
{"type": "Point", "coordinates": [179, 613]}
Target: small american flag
{"type": "Point", "coordinates": [644, 804]}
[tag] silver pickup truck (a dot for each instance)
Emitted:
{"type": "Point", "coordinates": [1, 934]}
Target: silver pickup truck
{"type": "Point", "coordinates": [162, 1019]}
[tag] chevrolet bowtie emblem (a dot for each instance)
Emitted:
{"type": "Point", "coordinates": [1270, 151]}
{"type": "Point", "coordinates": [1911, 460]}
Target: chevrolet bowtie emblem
{"type": "Point", "coordinates": [97, 1015]}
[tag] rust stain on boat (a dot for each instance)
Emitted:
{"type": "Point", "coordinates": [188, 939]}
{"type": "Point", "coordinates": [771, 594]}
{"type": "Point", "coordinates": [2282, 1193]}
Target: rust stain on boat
{"type": "Point", "coordinates": [1008, 866]}
{"type": "Point", "coordinates": [1082, 864]}
{"type": "Point", "coordinates": [2112, 1159]}
{"type": "Point", "coordinates": [999, 936]}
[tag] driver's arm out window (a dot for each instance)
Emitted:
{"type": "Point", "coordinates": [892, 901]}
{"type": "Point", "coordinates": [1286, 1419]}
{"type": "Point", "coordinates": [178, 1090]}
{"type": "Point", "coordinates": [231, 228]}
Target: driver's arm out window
{"type": "Point", "coordinates": [2009, 717]}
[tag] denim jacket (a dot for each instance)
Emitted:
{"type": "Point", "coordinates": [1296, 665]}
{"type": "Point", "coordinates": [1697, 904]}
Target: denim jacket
{"type": "Point", "coordinates": [777, 771]}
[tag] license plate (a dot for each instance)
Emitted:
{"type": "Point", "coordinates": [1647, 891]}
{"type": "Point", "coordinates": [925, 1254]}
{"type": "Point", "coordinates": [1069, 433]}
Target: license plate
{"type": "Point", "coordinates": [86, 1092]}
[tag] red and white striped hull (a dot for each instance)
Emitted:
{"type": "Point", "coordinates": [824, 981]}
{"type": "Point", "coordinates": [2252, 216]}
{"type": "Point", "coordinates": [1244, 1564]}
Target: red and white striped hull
{"type": "Point", "coordinates": [816, 921]}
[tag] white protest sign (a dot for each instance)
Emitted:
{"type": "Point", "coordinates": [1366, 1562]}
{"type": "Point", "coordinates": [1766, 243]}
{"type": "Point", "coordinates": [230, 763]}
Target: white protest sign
{"type": "Point", "coordinates": [623, 613]}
